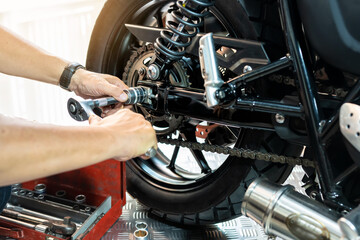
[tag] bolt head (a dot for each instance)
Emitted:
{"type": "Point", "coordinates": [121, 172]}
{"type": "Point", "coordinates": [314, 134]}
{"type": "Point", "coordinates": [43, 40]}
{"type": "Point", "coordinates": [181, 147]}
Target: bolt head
{"type": "Point", "coordinates": [72, 108]}
{"type": "Point", "coordinates": [279, 118]}
{"type": "Point", "coordinates": [247, 68]}
{"type": "Point", "coordinates": [313, 195]}
{"type": "Point", "coordinates": [142, 71]}
{"type": "Point", "coordinates": [220, 94]}
{"type": "Point", "coordinates": [153, 72]}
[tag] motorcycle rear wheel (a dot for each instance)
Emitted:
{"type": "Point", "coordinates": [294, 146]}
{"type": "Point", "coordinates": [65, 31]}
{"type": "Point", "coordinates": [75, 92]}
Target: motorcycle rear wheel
{"type": "Point", "coordinates": [218, 195]}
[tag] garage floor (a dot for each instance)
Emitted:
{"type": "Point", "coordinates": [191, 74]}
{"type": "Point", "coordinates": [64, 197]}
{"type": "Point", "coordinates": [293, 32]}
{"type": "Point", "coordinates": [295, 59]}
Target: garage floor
{"type": "Point", "coordinates": [240, 228]}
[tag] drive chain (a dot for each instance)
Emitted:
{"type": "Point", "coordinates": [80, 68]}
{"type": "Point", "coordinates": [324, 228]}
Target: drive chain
{"type": "Point", "coordinates": [240, 152]}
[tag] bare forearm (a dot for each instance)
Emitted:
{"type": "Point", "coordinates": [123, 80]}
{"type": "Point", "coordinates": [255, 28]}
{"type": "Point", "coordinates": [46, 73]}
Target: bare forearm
{"type": "Point", "coordinates": [20, 58]}
{"type": "Point", "coordinates": [29, 150]}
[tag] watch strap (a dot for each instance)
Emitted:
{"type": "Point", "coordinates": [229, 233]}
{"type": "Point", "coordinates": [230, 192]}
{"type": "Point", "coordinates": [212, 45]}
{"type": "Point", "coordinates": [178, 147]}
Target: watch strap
{"type": "Point", "coordinates": [67, 74]}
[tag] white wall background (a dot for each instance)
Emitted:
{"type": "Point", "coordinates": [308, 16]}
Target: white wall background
{"type": "Point", "coordinates": [61, 27]}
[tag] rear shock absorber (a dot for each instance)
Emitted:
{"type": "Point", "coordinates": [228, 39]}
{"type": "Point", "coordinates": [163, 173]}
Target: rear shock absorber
{"type": "Point", "coordinates": [174, 40]}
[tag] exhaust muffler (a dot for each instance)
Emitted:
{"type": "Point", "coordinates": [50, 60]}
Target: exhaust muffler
{"type": "Point", "coordinates": [285, 213]}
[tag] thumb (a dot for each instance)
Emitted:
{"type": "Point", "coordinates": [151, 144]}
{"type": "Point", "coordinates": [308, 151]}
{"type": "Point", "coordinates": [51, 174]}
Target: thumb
{"type": "Point", "coordinates": [115, 91]}
{"type": "Point", "coordinates": [93, 119]}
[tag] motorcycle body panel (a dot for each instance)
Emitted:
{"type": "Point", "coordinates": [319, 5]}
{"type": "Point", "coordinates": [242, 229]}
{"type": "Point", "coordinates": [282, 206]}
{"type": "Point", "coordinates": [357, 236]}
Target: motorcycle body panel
{"type": "Point", "coordinates": [332, 27]}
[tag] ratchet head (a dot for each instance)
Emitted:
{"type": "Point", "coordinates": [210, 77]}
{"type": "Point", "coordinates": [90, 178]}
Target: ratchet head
{"type": "Point", "coordinates": [79, 110]}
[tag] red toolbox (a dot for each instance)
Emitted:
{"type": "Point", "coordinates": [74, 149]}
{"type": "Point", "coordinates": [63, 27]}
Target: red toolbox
{"type": "Point", "coordinates": [92, 198]}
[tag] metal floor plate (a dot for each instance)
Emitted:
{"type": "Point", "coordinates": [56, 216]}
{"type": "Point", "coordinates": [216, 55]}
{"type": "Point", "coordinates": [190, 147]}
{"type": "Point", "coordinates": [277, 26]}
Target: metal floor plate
{"type": "Point", "coordinates": [241, 228]}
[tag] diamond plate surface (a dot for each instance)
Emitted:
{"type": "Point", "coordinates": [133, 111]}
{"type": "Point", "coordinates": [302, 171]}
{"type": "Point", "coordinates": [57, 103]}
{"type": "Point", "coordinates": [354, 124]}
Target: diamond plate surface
{"type": "Point", "coordinates": [241, 228]}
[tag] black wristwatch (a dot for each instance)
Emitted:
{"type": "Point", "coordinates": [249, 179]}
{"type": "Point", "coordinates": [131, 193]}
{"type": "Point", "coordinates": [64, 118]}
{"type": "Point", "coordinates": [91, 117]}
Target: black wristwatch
{"type": "Point", "coordinates": [67, 74]}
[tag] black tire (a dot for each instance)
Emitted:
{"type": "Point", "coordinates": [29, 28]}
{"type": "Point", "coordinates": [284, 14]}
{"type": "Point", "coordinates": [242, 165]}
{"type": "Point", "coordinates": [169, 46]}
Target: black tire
{"type": "Point", "coordinates": [217, 196]}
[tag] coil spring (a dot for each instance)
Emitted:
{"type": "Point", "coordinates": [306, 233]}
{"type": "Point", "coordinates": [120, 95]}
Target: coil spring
{"type": "Point", "coordinates": [172, 43]}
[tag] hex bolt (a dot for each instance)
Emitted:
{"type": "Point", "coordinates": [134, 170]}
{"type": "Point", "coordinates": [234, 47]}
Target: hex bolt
{"type": "Point", "coordinates": [279, 118]}
{"type": "Point", "coordinates": [41, 197]}
{"type": "Point", "coordinates": [247, 68]}
{"type": "Point", "coordinates": [40, 188]}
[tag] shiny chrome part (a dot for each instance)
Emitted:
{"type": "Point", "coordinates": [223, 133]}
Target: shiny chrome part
{"type": "Point", "coordinates": [95, 216]}
{"type": "Point", "coordinates": [247, 68]}
{"type": "Point", "coordinates": [350, 123]}
{"type": "Point", "coordinates": [21, 223]}
{"type": "Point", "coordinates": [33, 213]}
{"type": "Point", "coordinates": [279, 118]}
{"type": "Point", "coordinates": [153, 72]}
{"type": "Point", "coordinates": [23, 217]}
{"type": "Point", "coordinates": [209, 69]}
{"type": "Point", "coordinates": [41, 228]}
{"type": "Point", "coordinates": [151, 152]}
{"type": "Point", "coordinates": [81, 110]}
{"type": "Point", "coordinates": [38, 227]}
{"type": "Point", "coordinates": [80, 198]}
{"type": "Point", "coordinates": [40, 188]}
{"type": "Point", "coordinates": [141, 234]}
{"type": "Point", "coordinates": [350, 224]}
{"type": "Point", "coordinates": [288, 214]}
{"type": "Point", "coordinates": [141, 225]}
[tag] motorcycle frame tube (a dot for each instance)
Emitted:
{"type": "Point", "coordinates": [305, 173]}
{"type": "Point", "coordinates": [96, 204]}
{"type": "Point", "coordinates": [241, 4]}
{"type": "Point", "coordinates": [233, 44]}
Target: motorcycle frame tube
{"type": "Point", "coordinates": [190, 102]}
{"type": "Point", "coordinates": [177, 100]}
{"type": "Point", "coordinates": [309, 98]}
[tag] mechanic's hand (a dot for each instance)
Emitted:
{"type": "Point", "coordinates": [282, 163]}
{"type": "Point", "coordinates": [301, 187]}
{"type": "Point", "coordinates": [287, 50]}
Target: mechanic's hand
{"type": "Point", "coordinates": [132, 134]}
{"type": "Point", "coordinates": [88, 84]}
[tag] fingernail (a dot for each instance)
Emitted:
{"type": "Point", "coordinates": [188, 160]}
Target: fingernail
{"type": "Point", "coordinates": [123, 97]}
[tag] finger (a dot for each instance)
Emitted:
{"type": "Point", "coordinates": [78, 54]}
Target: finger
{"type": "Point", "coordinates": [93, 119]}
{"type": "Point", "coordinates": [109, 110]}
{"type": "Point", "coordinates": [114, 91]}
{"type": "Point", "coordinates": [116, 81]}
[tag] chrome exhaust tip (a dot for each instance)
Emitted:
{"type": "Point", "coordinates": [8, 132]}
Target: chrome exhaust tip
{"type": "Point", "coordinates": [285, 213]}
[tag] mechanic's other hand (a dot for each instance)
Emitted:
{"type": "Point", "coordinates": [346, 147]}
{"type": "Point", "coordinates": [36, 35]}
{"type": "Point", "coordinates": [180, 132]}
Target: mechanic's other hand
{"type": "Point", "coordinates": [132, 134]}
{"type": "Point", "coordinates": [88, 84]}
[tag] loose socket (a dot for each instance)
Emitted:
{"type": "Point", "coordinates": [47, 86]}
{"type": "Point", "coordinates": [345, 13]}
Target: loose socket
{"type": "Point", "coordinates": [30, 194]}
{"type": "Point", "coordinates": [22, 192]}
{"type": "Point", "coordinates": [88, 209]}
{"type": "Point", "coordinates": [60, 193]}
{"type": "Point", "coordinates": [80, 199]}
{"type": "Point", "coordinates": [141, 234]}
{"type": "Point", "coordinates": [40, 188]}
{"type": "Point", "coordinates": [141, 226]}
{"type": "Point", "coordinates": [16, 186]}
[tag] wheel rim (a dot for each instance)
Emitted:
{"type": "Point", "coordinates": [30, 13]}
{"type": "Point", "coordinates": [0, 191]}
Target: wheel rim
{"type": "Point", "coordinates": [155, 171]}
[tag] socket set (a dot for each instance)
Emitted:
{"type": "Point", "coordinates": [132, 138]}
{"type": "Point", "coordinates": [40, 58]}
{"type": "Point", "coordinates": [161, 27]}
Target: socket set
{"type": "Point", "coordinates": [45, 209]}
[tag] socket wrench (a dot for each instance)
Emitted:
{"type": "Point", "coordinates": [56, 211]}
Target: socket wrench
{"type": "Point", "coordinates": [81, 110]}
